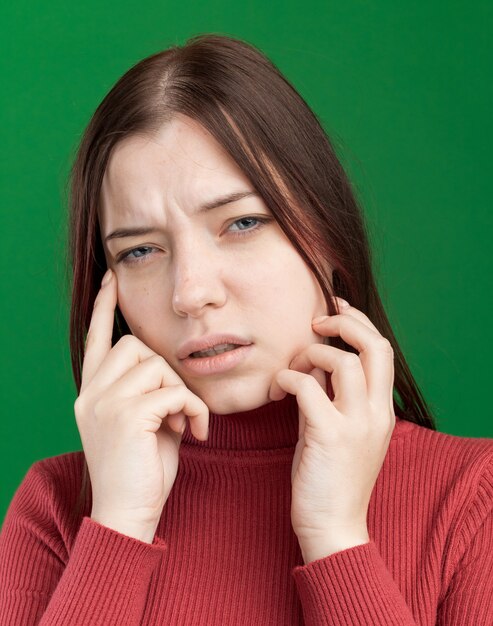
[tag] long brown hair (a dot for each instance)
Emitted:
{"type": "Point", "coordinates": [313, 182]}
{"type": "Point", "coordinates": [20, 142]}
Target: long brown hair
{"type": "Point", "coordinates": [254, 112]}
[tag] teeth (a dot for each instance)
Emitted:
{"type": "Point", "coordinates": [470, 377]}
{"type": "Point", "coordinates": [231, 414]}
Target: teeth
{"type": "Point", "coordinates": [219, 349]}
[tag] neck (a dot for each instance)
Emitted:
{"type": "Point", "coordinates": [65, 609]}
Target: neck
{"type": "Point", "coordinates": [273, 425]}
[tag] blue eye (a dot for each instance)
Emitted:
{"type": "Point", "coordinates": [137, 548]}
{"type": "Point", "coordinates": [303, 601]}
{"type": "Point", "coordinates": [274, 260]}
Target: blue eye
{"type": "Point", "coordinates": [257, 220]}
{"type": "Point", "coordinates": [129, 260]}
{"type": "Point", "coordinates": [243, 220]}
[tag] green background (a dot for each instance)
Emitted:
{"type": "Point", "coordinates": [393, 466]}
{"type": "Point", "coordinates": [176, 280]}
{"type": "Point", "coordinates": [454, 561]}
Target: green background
{"type": "Point", "coordinates": [404, 90]}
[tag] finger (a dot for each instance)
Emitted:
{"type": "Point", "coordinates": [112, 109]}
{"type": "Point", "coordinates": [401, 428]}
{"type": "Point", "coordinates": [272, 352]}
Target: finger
{"type": "Point", "coordinates": [130, 354]}
{"type": "Point", "coordinates": [375, 353]}
{"type": "Point", "coordinates": [311, 398]}
{"type": "Point", "coordinates": [169, 401]}
{"type": "Point", "coordinates": [348, 378]}
{"type": "Point", "coordinates": [100, 332]}
{"type": "Point", "coordinates": [276, 393]}
{"type": "Point", "coordinates": [359, 315]}
{"type": "Point", "coordinates": [320, 375]}
{"type": "Point", "coordinates": [150, 374]}
{"type": "Point", "coordinates": [177, 422]}
{"type": "Point", "coordinates": [354, 312]}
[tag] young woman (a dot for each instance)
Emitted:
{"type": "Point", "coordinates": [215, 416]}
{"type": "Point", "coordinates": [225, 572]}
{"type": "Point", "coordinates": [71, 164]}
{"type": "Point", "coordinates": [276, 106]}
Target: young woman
{"type": "Point", "coordinates": [245, 459]}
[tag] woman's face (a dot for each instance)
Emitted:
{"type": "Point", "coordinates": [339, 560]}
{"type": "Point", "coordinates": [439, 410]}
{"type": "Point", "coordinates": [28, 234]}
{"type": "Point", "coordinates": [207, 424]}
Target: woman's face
{"type": "Point", "coordinates": [196, 273]}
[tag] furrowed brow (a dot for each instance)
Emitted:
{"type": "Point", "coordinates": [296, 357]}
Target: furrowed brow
{"type": "Point", "coordinates": [131, 232]}
{"type": "Point", "coordinates": [208, 206]}
{"type": "Point", "coordinates": [227, 199]}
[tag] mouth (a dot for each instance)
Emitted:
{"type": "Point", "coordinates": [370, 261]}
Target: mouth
{"type": "Point", "coordinates": [214, 351]}
{"type": "Point", "coordinates": [219, 359]}
{"type": "Point", "coordinates": [211, 345]}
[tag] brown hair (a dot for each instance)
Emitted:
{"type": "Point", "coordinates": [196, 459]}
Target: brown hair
{"type": "Point", "coordinates": [249, 107]}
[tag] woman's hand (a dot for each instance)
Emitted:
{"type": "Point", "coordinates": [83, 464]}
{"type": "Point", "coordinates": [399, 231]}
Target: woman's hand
{"type": "Point", "coordinates": [130, 412]}
{"type": "Point", "coordinates": [342, 442]}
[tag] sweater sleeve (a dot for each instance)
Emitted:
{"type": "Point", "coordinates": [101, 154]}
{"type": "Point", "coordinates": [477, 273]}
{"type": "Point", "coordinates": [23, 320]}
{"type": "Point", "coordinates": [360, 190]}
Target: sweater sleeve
{"type": "Point", "coordinates": [353, 587]}
{"type": "Point", "coordinates": [102, 580]}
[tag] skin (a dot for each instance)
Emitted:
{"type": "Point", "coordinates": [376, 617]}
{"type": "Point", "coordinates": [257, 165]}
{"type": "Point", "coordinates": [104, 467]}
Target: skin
{"type": "Point", "coordinates": [200, 279]}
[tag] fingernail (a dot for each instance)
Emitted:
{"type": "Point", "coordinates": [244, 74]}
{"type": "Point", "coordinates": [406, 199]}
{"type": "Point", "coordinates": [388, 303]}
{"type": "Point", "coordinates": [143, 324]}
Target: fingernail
{"type": "Point", "coordinates": [319, 320]}
{"type": "Point", "coordinates": [106, 278]}
{"type": "Point", "coordinates": [342, 303]}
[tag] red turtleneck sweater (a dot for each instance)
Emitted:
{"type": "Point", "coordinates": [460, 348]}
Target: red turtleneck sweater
{"type": "Point", "coordinates": [225, 552]}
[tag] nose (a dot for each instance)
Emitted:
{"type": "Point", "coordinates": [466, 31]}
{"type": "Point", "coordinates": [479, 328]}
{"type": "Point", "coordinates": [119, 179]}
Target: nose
{"type": "Point", "coordinates": [197, 279]}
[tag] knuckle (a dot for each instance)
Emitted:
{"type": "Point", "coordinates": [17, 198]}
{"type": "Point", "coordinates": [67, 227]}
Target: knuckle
{"type": "Point", "coordinates": [349, 359]}
{"type": "Point", "coordinates": [384, 345]}
{"type": "Point", "coordinates": [390, 426]}
{"type": "Point", "coordinates": [98, 407]}
{"type": "Point", "coordinates": [158, 360]}
{"type": "Point", "coordinates": [177, 388]}
{"type": "Point", "coordinates": [126, 341]}
{"type": "Point", "coordinates": [79, 406]}
{"type": "Point", "coordinates": [84, 405]}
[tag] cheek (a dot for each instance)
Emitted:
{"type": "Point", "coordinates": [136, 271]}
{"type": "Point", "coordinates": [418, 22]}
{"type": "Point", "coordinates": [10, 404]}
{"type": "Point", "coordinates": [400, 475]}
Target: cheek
{"type": "Point", "coordinates": [299, 286]}
{"type": "Point", "coordinates": [288, 297]}
{"type": "Point", "coordinates": [138, 306]}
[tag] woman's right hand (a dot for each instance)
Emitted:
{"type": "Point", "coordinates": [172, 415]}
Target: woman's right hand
{"type": "Point", "coordinates": [130, 413]}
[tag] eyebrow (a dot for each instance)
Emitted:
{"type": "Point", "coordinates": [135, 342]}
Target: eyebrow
{"type": "Point", "coordinates": [208, 206]}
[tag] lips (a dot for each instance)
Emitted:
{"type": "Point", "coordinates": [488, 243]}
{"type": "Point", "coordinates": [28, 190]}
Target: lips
{"type": "Point", "coordinates": [219, 349]}
{"type": "Point", "coordinates": [208, 342]}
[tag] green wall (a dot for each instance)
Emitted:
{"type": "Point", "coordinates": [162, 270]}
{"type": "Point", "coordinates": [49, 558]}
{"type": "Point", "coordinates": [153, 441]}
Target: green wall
{"type": "Point", "coordinates": [404, 90]}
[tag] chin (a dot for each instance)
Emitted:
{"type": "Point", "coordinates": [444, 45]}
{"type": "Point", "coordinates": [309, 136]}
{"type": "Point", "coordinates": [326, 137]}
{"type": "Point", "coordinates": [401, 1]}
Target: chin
{"type": "Point", "coordinates": [226, 397]}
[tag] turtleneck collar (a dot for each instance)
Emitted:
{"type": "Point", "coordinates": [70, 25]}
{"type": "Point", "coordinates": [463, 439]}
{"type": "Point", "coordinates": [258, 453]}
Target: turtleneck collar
{"type": "Point", "coordinates": [273, 425]}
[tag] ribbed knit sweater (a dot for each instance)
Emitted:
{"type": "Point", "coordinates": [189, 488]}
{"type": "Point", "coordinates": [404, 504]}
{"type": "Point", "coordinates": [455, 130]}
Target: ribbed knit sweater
{"type": "Point", "coordinates": [225, 552]}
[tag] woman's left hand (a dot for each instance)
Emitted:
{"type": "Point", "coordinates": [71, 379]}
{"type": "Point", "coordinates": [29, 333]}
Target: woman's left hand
{"type": "Point", "coordinates": [342, 442]}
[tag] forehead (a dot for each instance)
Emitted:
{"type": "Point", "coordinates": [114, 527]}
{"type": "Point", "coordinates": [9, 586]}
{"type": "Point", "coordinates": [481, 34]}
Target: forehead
{"type": "Point", "coordinates": [180, 163]}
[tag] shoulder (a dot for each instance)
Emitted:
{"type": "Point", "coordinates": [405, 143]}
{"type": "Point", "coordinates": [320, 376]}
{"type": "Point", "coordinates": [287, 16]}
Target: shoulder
{"type": "Point", "coordinates": [60, 468]}
{"type": "Point", "coordinates": [459, 453]}
{"type": "Point", "coordinates": [59, 478]}
{"type": "Point", "coordinates": [450, 472]}
{"type": "Point", "coordinates": [54, 484]}
{"type": "Point", "coordinates": [46, 501]}
{"type": "Point", "coordinates": [56, 472]}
